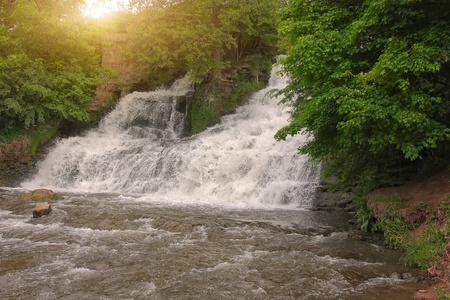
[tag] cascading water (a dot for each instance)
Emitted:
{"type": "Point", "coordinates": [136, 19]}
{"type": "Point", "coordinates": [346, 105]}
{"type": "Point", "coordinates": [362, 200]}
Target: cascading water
{"type": "Point", "coordinates": [137, 149]}
{"type": "Point", "coordinates": [127, 228]}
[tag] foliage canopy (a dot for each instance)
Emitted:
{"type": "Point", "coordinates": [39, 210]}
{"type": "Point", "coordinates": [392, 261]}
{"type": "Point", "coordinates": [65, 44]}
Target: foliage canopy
{"type": "Point", "coordinates": [49, 68]}
{"type": "Point", "coordinates": [199, 36]}
{"type": "Point", "coordinates": [370, 81]}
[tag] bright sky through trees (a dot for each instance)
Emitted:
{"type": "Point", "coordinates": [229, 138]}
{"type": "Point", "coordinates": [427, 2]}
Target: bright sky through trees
{"type": "Point", "coordinates": [99, 8]}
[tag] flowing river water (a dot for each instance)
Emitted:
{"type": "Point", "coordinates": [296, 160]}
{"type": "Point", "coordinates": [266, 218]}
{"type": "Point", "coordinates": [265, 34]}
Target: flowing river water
{"type": "Point", "coordinates": [225, 214]}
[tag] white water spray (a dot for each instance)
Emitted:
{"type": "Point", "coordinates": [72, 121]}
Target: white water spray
{"type": "Point", "coordinates": [137, 150]}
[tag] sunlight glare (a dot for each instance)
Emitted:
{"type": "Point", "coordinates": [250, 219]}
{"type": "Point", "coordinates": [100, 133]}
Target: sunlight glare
{"type": "Point", "coordinates": [98, 8]}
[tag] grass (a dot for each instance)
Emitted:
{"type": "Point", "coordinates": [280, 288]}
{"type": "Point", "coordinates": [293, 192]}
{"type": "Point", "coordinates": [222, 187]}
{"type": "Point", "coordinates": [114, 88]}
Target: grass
{"type": "Point", "coordinates": [422, 251]}
{"type": "Point", "coordinates": [393, 201]}
{"type": "Point", "coordinates": [363, 216]}
{"type": "Point", "coordinates": [426, 250]}
{"type": "Point", "coordinates": [42, 135]}
{"type": "Point", "coordinates": [443, 294]}
{"type": "Point", "coordinates": [39, 135]}
{"type": "Point", "coordinates": [396, 230]}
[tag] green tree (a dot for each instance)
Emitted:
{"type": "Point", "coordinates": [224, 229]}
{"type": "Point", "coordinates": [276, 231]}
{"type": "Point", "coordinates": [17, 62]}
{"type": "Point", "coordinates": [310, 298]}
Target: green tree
{"type": "Point", "coordinates": [199, 36]}
{"type": "Point", "coordinates": [6, 7]}
{"type": "Point", "coordinates": [48, 68]}
{"type": "Point", "coordinates": [370, 81]}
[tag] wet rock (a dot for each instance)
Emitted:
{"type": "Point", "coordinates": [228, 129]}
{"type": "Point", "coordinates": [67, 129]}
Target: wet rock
{"type": "Point", "coordinates": [326, 201]}
{"type": "Point", "coordinates": [356, 236]}
{"type": "Point", "coordinates": [40, 195]}
{"type": "Point", "coordinates": [41, 210]}
{"type": "Point", "coordinates": [351, 255]}
{"type": "Point", "coordinates": [328, 181]}
{"type": "Point", "coordinates": [407, 276]}
{"type": "Point", "coordinates": [395, 275]}
{"type": "Point", "coordinates": [354, 276]}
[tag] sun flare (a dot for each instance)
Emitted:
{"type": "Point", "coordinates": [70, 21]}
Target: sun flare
{"type": "Point", "coordinates": [99, 8]}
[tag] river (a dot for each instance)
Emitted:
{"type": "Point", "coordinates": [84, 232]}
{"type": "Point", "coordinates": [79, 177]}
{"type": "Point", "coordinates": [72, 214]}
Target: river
{"type": "Point", "coordinates": [149, 214]}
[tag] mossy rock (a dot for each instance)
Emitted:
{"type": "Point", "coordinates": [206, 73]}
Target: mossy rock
{"type": "Point", "coordinates": [40, 195]}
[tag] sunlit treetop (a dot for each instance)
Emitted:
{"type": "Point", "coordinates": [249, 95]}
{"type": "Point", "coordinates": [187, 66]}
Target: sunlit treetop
{"type": "Point", "coordinates": [49, 63]}
{"type": "Point", "coordinates": [99, 8]}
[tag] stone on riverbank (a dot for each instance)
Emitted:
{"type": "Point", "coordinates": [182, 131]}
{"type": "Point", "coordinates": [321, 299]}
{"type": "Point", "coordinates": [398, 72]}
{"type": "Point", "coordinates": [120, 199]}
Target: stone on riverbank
{"type": "Point", "coordinates": [41, 210]}
{"type": "Point", "coordinates": [40, 195]}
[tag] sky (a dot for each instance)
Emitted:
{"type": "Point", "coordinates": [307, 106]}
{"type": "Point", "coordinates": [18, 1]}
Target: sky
{"type": "Point", "coordinates": [98, 8]}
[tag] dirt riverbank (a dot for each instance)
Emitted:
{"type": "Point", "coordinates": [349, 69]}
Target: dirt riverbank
{"type": "Point", "coordinates": [421, 202]}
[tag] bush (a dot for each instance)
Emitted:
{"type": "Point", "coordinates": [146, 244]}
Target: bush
{"type": "Point", "coordinates": [200, 114]}
{"type": "Point", "coordinates": [363, 216]}
{"type": "Point", "coordinates": [426, 250]}
{"type": "Point", "coordinates": [423, 251]}
{"type": "Point", "coordinates": [396, 230]}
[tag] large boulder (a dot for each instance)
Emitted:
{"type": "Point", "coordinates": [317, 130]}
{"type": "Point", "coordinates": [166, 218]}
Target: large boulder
{"type": "Point", "coordinates": [329, 201]}
{"type": "Point", "coordinates": [40, 195]}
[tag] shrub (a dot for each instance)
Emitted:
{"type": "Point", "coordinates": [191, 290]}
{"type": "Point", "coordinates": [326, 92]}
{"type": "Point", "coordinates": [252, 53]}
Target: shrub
{"type": "Point", "coordinates": [426, 250]}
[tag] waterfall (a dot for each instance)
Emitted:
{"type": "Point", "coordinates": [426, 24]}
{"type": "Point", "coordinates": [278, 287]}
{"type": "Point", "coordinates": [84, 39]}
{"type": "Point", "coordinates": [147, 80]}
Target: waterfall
{"type": "Point", "coordinates": [138, 149]}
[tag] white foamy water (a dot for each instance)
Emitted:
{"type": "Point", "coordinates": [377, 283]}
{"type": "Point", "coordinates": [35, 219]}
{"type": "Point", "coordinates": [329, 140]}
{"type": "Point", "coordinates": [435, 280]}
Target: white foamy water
{"type": "Point", "coordinates": [137, 149]}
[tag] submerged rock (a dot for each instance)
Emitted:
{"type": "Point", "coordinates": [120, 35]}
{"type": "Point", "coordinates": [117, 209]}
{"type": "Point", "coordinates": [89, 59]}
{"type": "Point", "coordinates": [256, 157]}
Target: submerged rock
{"type": "Point", "coordinates": [356, 236]}
{"type": "Point", "coordinates": [41, 210]}
{"type": "Point", "coordinates": [40, 195]}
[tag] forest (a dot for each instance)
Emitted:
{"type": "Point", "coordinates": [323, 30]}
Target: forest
{"type": "Point", "coordinates": [51, 54]}
{"type": "Point", "coordinates": [369, 79]}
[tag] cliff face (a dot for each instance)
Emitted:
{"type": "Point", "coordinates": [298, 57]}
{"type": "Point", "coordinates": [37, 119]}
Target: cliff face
{"type": "Point", "coordinates": [15, 158]}
{"type": "Point", "coordinates": [113, 43]}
